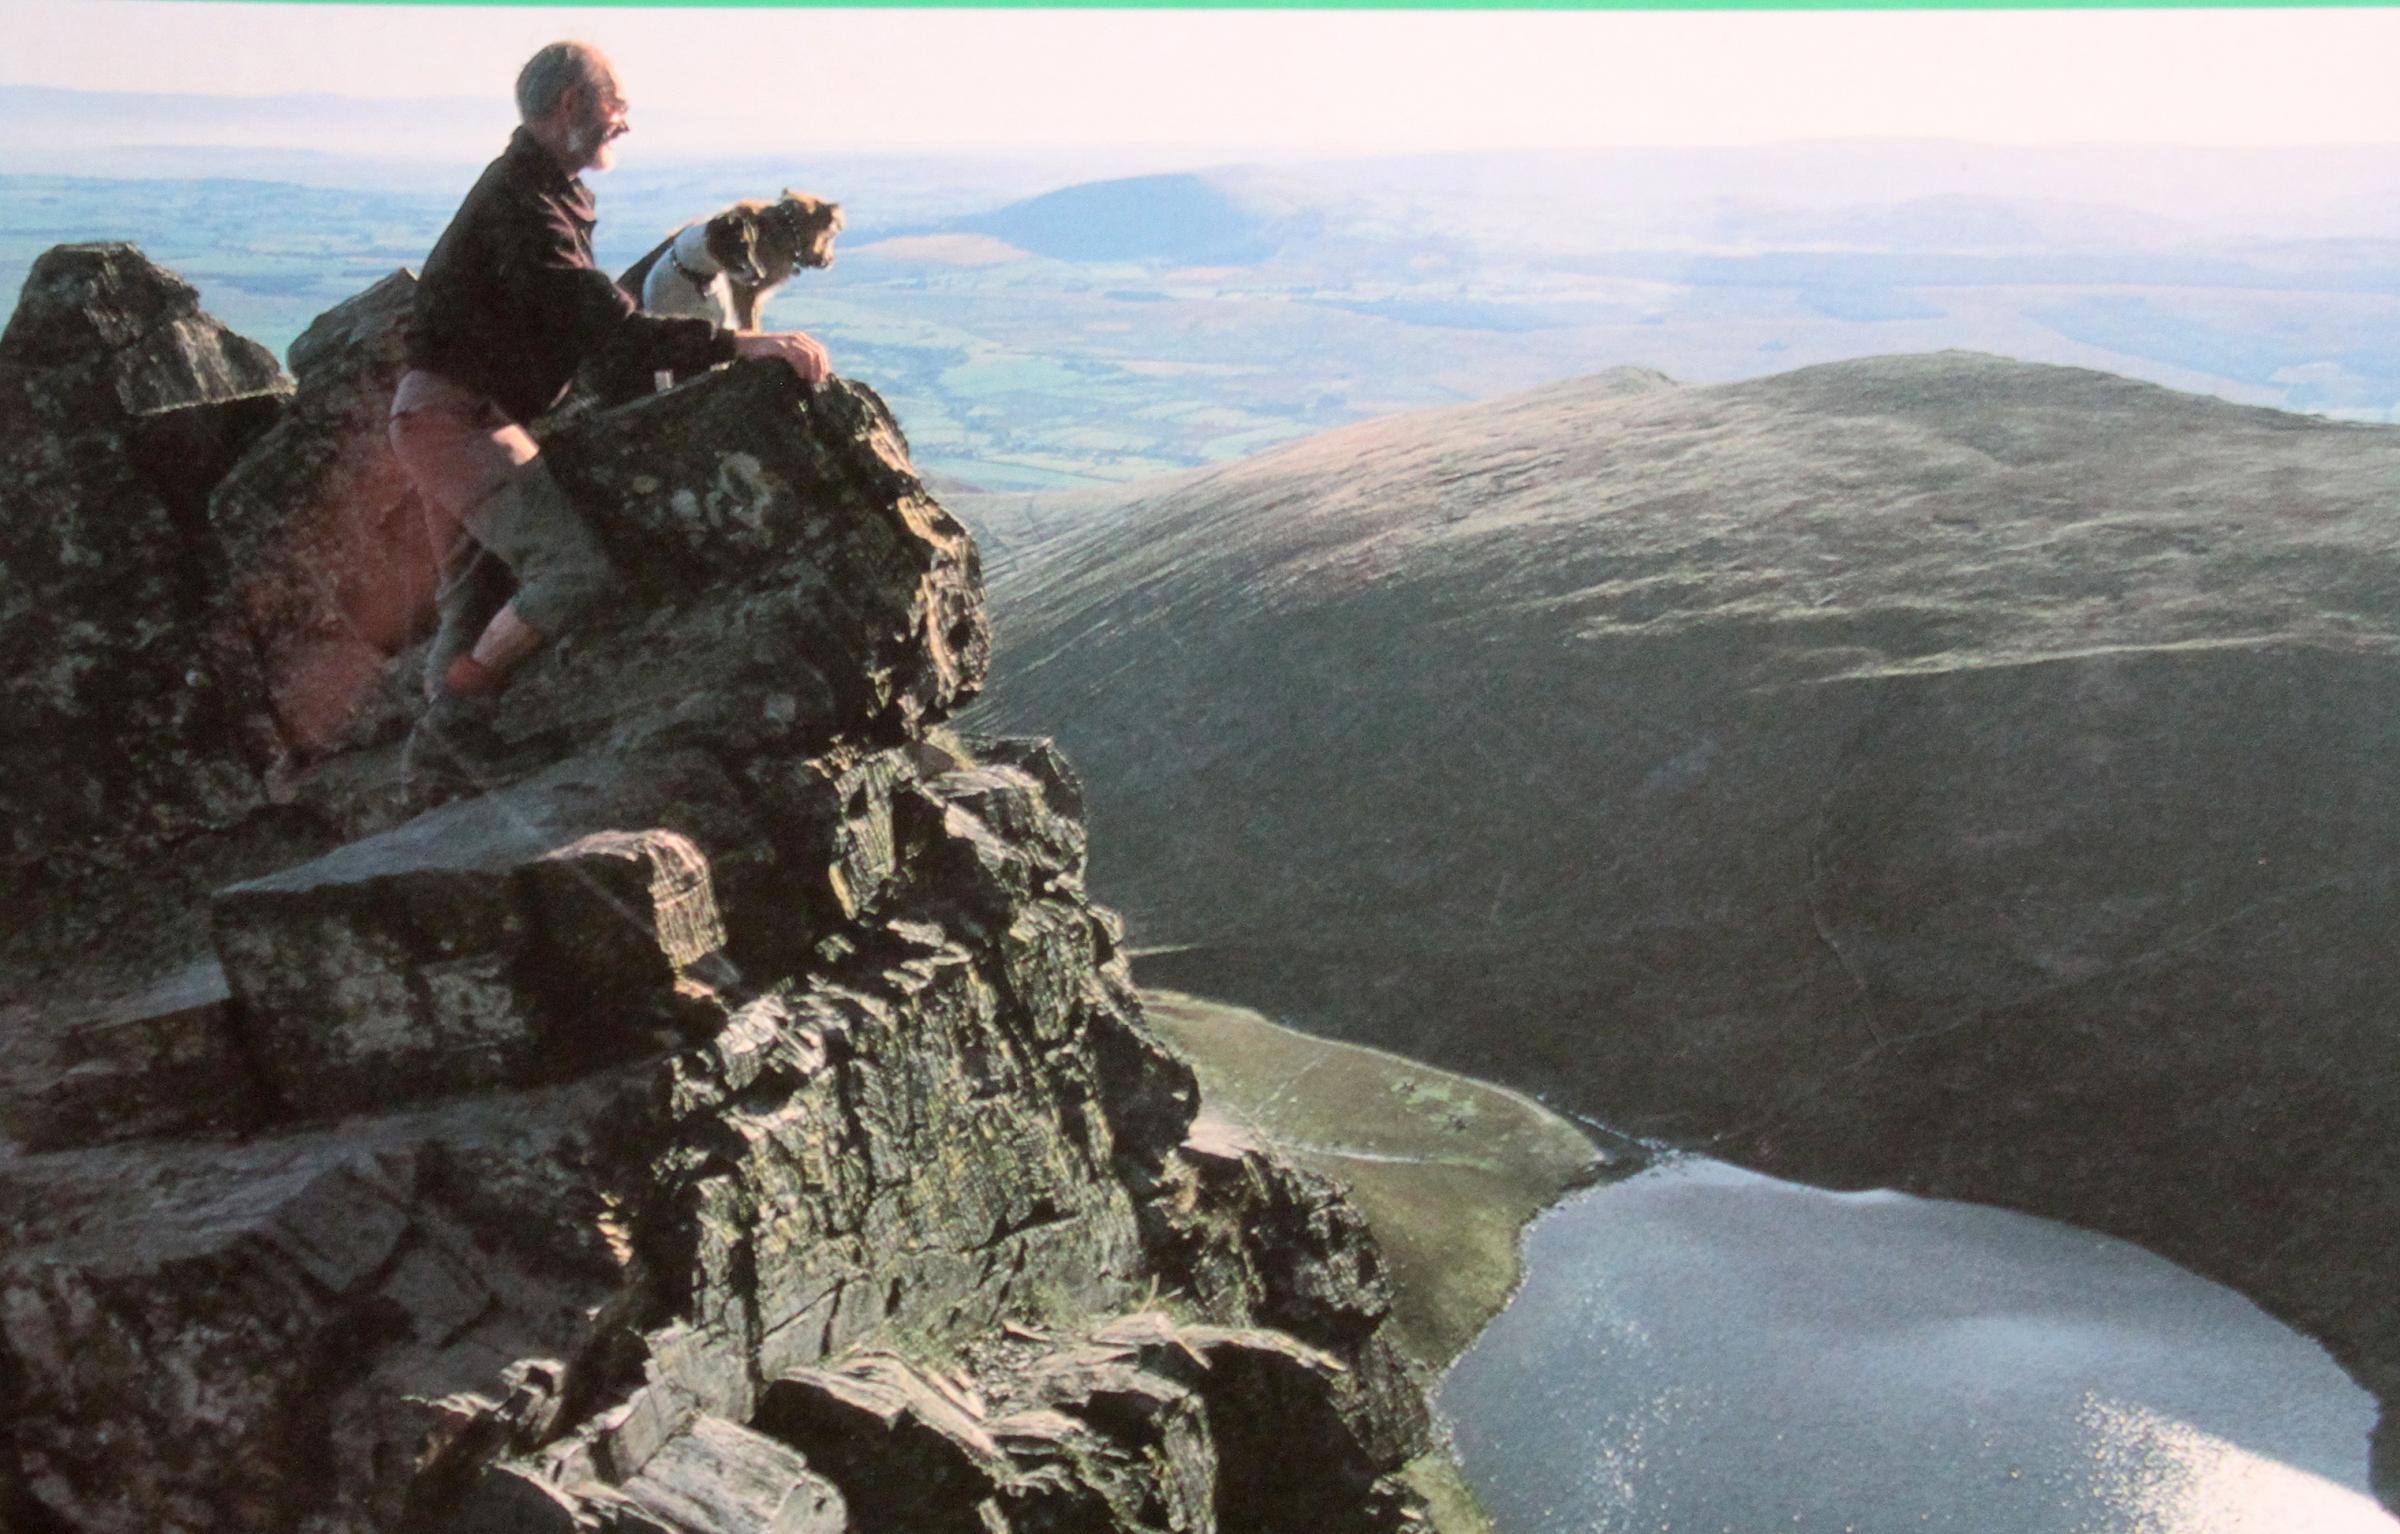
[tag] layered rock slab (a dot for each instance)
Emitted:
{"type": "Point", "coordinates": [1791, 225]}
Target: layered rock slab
{"type": "Point", "coordinates": [954, 1119]}
{"type": "Point", "coordinates": [252, 1335]}
{"type": "Point", "coordinates": [157, 1058]}
{"type": "Point", "coordinates": [524, 935]}
{"type": "Point", "coordinates": [716, 1477]}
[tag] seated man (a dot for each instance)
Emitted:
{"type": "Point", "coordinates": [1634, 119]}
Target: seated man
{"type": "Point", "coordinates": [509, 305]}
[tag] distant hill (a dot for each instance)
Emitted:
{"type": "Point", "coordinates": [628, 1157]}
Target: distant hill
{"type": "Point", "coordinates": [1184, 220]}
{"type": "Point", "coordinates": [1937, 770]}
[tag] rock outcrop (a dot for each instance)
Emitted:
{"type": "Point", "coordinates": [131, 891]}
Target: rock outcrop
{"type": "Point", "coordinates": [735, 1117]}
{"type": "Point", "coordinates": [1937, 772]}
{"type": "Point", "coordinates": [121, 404]}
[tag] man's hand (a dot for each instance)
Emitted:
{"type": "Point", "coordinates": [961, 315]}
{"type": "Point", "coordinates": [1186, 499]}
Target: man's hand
{"type": "Point", "coordinates": [804, 353]}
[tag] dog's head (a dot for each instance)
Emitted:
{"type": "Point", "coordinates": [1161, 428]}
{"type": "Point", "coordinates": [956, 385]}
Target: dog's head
{"type": "Point", "coordinates": [807, 226]}
{"type": "Point", "coordinates": [736, 238]}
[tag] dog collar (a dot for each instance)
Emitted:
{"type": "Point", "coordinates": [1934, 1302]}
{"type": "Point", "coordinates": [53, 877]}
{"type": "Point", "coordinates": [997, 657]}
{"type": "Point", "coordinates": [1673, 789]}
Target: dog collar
{"type": "Point", "coordinates": [696, 279]}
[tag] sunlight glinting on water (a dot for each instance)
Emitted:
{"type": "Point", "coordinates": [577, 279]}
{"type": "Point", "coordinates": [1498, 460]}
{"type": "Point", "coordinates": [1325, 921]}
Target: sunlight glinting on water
{"type": "Point", "coordinates": [2160, 1476]}
{"type": "Point", "coordinates": [1702, 1350]}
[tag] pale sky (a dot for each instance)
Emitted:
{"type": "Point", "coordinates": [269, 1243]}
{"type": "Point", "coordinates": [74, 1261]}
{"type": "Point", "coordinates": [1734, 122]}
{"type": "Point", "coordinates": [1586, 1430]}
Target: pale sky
{"type": "Point", "coordinates": [1294, 82]}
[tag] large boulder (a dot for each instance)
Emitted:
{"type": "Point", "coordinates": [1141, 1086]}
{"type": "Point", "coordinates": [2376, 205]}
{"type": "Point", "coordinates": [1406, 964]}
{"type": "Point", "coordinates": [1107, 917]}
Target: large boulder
{"type": "Point", "coordinates": [206, 572]}
{"type": "Point", "coordinates": [332, 569]}
{"type": "Point", "coordinates": [779, 550]}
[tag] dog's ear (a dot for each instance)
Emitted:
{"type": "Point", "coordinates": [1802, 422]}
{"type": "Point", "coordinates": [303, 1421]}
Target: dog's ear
{"type": "Point", "coordinates": [723, 235]}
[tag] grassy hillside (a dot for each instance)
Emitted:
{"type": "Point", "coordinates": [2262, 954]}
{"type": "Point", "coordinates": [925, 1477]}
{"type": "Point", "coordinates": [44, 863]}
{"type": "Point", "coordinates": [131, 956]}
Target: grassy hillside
{"type": "Point", "coordinates": [1940, 772]}
{"type": "Point", "coordinates": [1447, 1169]}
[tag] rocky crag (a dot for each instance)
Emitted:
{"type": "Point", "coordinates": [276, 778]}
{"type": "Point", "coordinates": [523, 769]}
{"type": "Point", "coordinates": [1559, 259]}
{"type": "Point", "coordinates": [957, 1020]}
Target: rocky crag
{"type": "Point", "coordinates": [735, 1118]}
{"type": "Point", "coordinates": [1937, 772]}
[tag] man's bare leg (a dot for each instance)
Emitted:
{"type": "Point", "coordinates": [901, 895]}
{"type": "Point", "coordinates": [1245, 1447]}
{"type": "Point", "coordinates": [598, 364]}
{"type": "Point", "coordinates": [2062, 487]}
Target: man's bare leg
{"type": "Point", "coordinates": [562, 572]}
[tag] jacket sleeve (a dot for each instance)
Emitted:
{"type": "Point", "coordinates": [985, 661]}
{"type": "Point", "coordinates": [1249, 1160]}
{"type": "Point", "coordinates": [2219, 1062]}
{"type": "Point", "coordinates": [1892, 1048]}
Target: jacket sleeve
{"type": "Point", "coordinates": [600, 317]}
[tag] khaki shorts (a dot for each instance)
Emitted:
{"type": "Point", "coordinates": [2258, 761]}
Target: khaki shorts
{"type": "Point", "coordinates": [493, 511]}
{"type": "Point", "coordinates": [457, 446]}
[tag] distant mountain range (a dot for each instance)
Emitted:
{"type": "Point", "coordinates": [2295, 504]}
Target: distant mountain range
{"type": "Point", "coordinates": [1093, 317]}
{"type": "Point", "coordinates": [2314, 192]}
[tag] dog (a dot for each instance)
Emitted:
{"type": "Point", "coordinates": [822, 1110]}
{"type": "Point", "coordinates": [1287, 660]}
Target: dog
{"type": "Point", "coordinates": [692, 271]}
{"type": "Point", "coordinates": [724, 267]}
{"type": "Point", "coordinates": [721, 268]}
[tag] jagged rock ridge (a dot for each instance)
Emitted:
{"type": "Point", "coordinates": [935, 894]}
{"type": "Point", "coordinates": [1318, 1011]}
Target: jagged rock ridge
{"type": "Point", "coordinates": [736, 1117]}
{"type": "Point", "coordinates": [1938, 772]}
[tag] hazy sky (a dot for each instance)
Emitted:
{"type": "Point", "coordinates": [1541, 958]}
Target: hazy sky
{"type": "Point", "coordinates": [1294, 82]}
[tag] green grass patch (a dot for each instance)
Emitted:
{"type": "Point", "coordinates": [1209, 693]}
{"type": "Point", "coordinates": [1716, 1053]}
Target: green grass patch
{"type": "Point", "coordinates": [1447, 1169]}
{"type": "Point", "coordinates": [1448, 1497]}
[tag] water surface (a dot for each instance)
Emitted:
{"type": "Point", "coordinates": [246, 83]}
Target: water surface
{"type": "Point", "coordinates": [1702, 1350]}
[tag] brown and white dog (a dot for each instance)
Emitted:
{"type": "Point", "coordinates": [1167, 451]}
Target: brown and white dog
{"type": "Point", "coordinates": [723, 267]}
{"type": "Point", "coordinates": [692, 270]}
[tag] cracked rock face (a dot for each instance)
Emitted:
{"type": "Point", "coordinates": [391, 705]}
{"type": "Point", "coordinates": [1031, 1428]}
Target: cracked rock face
{"type": "Point", "coordinates": [735, 1118]}
{"type": "Point", "coordinates": [1938, 772]}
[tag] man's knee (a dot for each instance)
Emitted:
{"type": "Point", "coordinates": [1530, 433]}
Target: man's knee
{"type": "Point", "coordinates": [563, 573]}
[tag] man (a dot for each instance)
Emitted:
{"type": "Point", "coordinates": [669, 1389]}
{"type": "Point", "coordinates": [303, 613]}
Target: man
{"type": "Point", "coordinates": [509, 305]}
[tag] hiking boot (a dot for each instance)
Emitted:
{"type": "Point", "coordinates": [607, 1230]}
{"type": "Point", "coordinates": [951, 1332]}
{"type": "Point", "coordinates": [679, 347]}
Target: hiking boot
{"type": "Point", "coordinates": [455, 752]}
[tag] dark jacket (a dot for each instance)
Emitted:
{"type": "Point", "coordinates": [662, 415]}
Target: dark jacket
{"type": "Point", "coordinates": [511, 302]}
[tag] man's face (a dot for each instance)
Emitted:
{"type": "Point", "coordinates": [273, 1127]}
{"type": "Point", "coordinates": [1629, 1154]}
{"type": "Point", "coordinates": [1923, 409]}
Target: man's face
{"type": "Point", "coordinates": [596, 119]}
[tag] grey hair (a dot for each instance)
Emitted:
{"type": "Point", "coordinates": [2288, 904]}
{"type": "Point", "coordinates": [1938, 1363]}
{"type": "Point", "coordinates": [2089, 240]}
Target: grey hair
{"type": "Point", "coordinates": [547, 77]}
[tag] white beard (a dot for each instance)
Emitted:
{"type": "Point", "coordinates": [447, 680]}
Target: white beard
{"type": "Point", "coordinates": [591, 146]}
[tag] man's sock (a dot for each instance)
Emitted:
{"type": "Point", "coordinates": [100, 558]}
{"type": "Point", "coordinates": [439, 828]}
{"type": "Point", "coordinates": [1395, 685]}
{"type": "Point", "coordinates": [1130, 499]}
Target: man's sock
{"type": "Point", "coordinates": [471, 678]}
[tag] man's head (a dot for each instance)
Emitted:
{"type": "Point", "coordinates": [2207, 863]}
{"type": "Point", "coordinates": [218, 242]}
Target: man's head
{"type": "Point", "coordinates": [569, 97]}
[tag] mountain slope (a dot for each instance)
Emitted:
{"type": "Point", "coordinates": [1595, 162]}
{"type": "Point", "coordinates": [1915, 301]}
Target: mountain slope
{"type": "Point", "coordinates": [1938, 770]}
